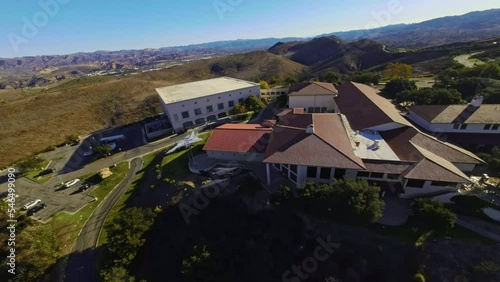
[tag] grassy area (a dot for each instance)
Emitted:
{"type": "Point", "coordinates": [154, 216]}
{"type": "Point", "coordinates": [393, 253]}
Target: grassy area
{"type": "Point", "coordinates": [413, 234]}
{"type": "Point", "coordinates": [122, 202]}
{"type": "Point", "coordinates": [175, 166]}
{"type": "Point", "coordinates": [34, 174]}
{"type": "Point", "coordinates": [67, 226]}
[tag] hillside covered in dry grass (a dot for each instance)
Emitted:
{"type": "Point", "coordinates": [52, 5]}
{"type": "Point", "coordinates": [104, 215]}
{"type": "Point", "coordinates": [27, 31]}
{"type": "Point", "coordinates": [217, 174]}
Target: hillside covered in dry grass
{"type": "Point", "coordinates": [31, 120]}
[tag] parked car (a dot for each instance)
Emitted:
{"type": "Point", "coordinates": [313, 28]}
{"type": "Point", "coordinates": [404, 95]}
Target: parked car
{"type": "Point", "coordinates": [36, 208]}
{"type": "Point", "coordinates": [71, 183]}
{"type": "Point", "coordinates": [47, 171]}
{"type": "Point", "coordinates": [31, 204]}
{"type": "Point", "coordinates": [85, 187]}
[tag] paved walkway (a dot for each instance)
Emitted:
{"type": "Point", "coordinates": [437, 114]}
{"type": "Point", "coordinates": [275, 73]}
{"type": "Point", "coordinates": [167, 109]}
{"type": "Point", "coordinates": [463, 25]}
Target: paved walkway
{"type": "Point", "coordinates": [396, 211]}
{"type": "Point", "coordinates": [484, 228]}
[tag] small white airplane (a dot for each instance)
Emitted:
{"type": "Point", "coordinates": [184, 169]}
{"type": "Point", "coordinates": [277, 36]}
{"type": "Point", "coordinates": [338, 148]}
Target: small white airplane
{"type": "Point", "coordinates": [184, 144]}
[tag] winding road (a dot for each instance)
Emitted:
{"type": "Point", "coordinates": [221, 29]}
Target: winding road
{"type": "Point", "coordinates": [83, 260]}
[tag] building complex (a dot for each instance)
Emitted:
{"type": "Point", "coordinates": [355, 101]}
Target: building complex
{"type": "Point", "coordinates": [346, 131]}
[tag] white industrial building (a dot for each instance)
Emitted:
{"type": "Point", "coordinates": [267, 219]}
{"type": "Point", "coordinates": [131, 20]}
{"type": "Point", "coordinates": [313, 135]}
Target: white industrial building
{"type": "Point", "coordinates": [195, 103]}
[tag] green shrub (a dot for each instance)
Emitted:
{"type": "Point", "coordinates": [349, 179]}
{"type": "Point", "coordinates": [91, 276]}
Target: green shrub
{"type": "Point", "coordinates": [280, 196]}
{"type": "Point", "coordinates": [433, 215]}
{"type": "Point", "coordinates": [419, 277]}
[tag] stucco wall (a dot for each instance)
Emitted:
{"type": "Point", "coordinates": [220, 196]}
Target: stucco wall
{"type": "Point", "coordinates": [312, 101]}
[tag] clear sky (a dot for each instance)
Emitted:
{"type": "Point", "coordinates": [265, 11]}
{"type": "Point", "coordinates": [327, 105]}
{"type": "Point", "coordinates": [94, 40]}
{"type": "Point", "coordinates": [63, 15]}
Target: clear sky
{"type": "Point", "coordinates": [35, 27]}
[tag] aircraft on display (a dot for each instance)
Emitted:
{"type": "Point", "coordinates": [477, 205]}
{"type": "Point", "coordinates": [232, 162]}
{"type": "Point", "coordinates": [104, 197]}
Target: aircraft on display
{"type": "Point", "coordinates": [184, 144]}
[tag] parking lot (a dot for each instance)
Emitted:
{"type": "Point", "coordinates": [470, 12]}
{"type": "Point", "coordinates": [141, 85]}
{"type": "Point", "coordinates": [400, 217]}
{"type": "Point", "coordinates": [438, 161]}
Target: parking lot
{"type": "Point", "coordinates": [56, 199]}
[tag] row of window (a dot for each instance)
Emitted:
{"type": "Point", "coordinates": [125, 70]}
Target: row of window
{"type": "Point", "coordinates": [459, 126]}
{"type": "Point", "coordinates": [209, 109]}
{"type": "Point", "coordinates": [367, 174]}
{"type": "Point", "coordinates": [414, 183]}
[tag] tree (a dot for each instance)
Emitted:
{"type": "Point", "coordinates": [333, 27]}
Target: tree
{"type": "Point", "coordinates": [332, 77]}
{"type": "Point", "coordinates": [200, 264]}
{"type": "Point", "coordinates": [252, 103]}
{"type": "Point", "coordinates": [398, 71]}
{"type": "Point", "coordinates": [238, 109]}
{"type": "Point", "coordinates": [37, 250]}
{"type": "Point", "coordinates": [274, 81]}
{"type": "Point", "coordinates": [263, 84]}
{"type": "Point", "coordinates": [343, 199]}
{"type": "Point", "coordinates": [366, 77]}
{"type": "Point", "coordinates": [30, 163]}
{"type": "Point", "coordinates": [396, 86]}
{"type": "Point", "coordinates": [116, 274]}
{"type": "Point", "coordinates": [429, 96]}
{"type": "Point", "coordinates": [71, 139]}
{"type": "Point", "coordinates": [289, 81]}
{"type": "Point", "coordinates": [102, 150]}
{"type": "Point", "coordinates": [280, 196]}
{"type": "Point", "coordinates": [433, 215]}
{"type": "Point", "coordinates": [125, 234]}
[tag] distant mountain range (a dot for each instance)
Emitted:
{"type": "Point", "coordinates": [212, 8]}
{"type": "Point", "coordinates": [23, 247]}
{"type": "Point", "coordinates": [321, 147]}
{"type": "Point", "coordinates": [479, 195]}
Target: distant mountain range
{"type": "Point", "coordinates": [41, 70]}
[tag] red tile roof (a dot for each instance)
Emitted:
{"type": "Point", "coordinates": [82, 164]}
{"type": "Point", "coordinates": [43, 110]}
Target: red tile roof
{"type": "Point", "coordinates": [241, 138]}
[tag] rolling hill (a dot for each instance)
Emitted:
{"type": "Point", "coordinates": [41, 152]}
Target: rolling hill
{"type": "Point", "coordinates": [38, 118]}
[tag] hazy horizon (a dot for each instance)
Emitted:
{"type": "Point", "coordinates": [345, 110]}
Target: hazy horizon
{"type": "Point", "coordinates": [59, 27]}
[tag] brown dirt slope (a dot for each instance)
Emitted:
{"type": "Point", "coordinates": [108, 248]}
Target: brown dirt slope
{"type": "Point", "coordinates": [87, 104]}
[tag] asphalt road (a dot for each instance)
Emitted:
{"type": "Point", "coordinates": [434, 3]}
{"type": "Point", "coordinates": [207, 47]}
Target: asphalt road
{"type": "Point", "coordinates": [82, 262]}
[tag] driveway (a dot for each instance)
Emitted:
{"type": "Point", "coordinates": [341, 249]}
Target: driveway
{"type": "Point", "coordinates": [82, 262]}
{"type": "Point", "coordinates": [396, 211]}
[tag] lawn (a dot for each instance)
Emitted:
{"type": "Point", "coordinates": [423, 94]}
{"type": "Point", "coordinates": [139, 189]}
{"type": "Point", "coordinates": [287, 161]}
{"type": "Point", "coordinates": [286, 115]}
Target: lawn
{"type": "Point", "coordinates": [175, 166]}
{"type": "Point", "coordinates": [33, 175]}
{"type": "Point", "coordinates": [67, 226]}
{"type": "Point", "coordinates": [413, 234]}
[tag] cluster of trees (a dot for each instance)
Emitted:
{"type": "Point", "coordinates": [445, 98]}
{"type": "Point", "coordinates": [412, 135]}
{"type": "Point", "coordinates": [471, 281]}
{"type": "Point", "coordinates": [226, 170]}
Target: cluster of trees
{"type": "Point", "coordinates": [125, 235]}
{"type": "Point", "coordinates": [361, 77]}
{"type": "Point", "coordinates": [37, 250]}
{"type": "Point", "coordinates": [429, 96]}
{"type": "Point", "coordinates": [252, 103]}
{"type": "Point", "coordinates": [273, 81]}
{"type": "Point", "coordinates": [398, 71]}
{"type": "Point", "coordinates": [479, 80]}
{"type": "Point", "coordinates": [344, 199]}
{"type": "Point", "coordinates": [493, 159]}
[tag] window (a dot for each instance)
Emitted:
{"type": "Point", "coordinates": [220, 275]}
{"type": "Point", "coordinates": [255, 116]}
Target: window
{"type": "Point", "coordinates": [197, 112]}
{"type": "Point", "coordinates": [231, 104]}
{"type": "Point", "coordinates": [310, 110]}
{"type": "Point", "coordinates": [241, 100]}
{"type": "Point", "coordinates": [210, 109]}
{"type": "Point", "coordinates": [176, 118]}
{"type": "Point", "coordinates": [317, 109]}
{"type": "Point", "coordinates": [293, 177]}
{"type": "Point", "coordinates": [487, 126]}
{"type": "Point", "coordinates": [325, 173]}
{"type": "Point", "coordinates": [339, 173]}
{"type": "Point", "coordinates": [376, 175]}
{"type": "Point", "coordinates": [293, 168]}
{"type": "Point", "coordinates": [415, 183]}
{"type": "Point", "coordinates": [196, 103]}
{"type": "Point", "coordinates": [312, 172]}
{"type": "Point", "coordinates": [456, 126]}
{"type": "Point", "coordinates": [208, 100]}
{"type": "Point", "coordinates": [442, 183]}
{"type": "Point", "coordinates": [323, 109]}
{"type": "Point", "coordinates": [463, 127]}
{"type": "Point", "coordinates": [363, 174]}
{"type": "Point", "coordinates": [220, 106]}
{"type": "Point", "coordinates": [392, 176]}
{"type": "Point", "coordinates": [495, 127]}
{"type": "Point", "coordinates": [185, 114]}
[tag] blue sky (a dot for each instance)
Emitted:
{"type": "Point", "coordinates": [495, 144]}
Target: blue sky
{"type": "Point", "coordinates": [68, 26]}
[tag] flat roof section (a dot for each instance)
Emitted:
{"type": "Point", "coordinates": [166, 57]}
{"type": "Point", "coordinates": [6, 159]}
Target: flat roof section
{"type": "Point", "coordinates": [372, 146]}
{"type": "Point", "coordinates": [192, 90]}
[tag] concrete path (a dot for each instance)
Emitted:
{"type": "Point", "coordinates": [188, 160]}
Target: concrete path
{"type": "Point", "coordinates": [481, 227]}
{"type": "Point", "coordinates": [396, 211]}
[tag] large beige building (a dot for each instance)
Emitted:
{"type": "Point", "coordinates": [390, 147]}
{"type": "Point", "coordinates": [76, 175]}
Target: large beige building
{"type": "Point", "coordinates": [195, 103]}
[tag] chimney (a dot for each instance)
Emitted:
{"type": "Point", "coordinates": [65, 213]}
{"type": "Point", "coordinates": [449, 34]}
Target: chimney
{"type": "Point", "coordinates": [311, 80]}
{"type": "Point", "coordinates": [310, 129]}
{"type": "Point", "coordinates": [477, 101]}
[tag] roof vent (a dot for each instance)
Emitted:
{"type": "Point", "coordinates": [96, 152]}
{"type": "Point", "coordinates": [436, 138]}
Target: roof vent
{"type": "Point", "coordinates": [310, 129]}
{"type": "Point", "coordinates": [477, 101]}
